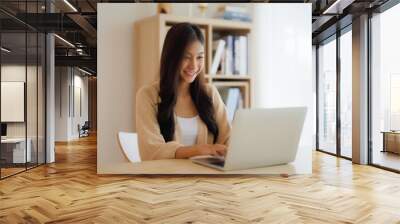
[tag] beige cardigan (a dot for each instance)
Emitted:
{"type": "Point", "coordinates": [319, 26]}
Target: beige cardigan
{"type": "Point", "coordinates": [151, 142]}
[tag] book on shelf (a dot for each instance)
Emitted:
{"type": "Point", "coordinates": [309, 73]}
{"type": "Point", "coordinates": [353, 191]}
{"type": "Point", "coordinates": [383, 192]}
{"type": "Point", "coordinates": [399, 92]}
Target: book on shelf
{"type": "Point", "coordinates": [218, 51]}
{"type": "Point", "coordinates": [228, 55]}
{"type": "Point", "coordinates": [240, 55]}
{"type": "Point", "coordinates": [233, 59]}
{"type": "Point", "coordinates": [233, 13]}
{"type": "Point", "coordinates": [243, 55]}
{"type": "Point", "coordinates": [233, 100]}
{"type": "Point", "coordinates": [230, 8]}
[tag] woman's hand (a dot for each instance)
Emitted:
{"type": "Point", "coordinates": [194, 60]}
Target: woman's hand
{"type": "Point", "coordinates": [208, 149]}
{"type": "Point", "coordinates": [199, 150]}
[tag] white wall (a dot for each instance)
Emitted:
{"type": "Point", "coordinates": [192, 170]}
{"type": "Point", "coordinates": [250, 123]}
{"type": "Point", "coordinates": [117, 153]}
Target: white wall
{"type": "Point", "coordinates": [17, 73]}
{"type": "Point", "coordinates": [79, 117]}
{"type": "Point", "coordinates": [61, 104]}
{"type": "Point", "coordinates": [281, 63]}
{"type": "Point", "coordinates": [33, 127]}
{"type": "Point", "coordinates": [115, 79]}
{"type": "Point", "coordinates": [115, 75]}
{"type": "Point", "coordinates": [10, 73]}
{"type": "Point", "coordinates": [81, 81]}
{"type": "Point", "coordinates": [66, 121]}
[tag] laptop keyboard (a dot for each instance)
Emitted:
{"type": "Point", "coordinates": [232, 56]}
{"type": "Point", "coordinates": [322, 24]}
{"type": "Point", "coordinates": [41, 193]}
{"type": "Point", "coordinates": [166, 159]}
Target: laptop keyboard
{"type": "Point", "coordinates": [216, 161]}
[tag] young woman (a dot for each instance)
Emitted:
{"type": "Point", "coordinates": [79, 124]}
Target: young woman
{"type": "Point", "coordinates": [181, 116]}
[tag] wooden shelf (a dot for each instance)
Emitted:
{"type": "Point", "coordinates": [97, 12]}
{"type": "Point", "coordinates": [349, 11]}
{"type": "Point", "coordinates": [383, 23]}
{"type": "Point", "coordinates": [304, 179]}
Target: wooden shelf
{"type": "Point", "coordinates": [244, 87]}
{"type": "Point", "coordinates": [218, 24]}
{"type": "Point", "coordinates": [228, 77]}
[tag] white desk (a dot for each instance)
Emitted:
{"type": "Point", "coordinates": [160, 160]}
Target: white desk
{"type": "Point", "coordinates": [302, 165]}
{"type": "Point", "coordinates": [18, 149]}
{"type": "Point", "coordinates": [185, 166]}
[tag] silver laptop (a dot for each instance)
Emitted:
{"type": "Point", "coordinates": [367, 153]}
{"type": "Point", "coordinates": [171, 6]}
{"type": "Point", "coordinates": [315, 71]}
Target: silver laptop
{"type": "Point", "coordinates": [260, 137]}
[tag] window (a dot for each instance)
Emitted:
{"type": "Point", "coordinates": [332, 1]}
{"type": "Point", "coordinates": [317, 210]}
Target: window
{"type": "Point", "coordinates": [22, 77]}
{"type": "Point", "coordinates": [346, 93]}
{"type": "Point", "coordinates": [327, 97]}
{"type": "Point", "coordinates": [385, 89]}
{"type": "Point", "coordinates": [334, 106]}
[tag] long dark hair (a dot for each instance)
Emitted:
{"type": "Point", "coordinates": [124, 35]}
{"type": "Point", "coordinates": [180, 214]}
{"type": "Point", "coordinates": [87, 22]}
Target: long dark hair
{"type": "Point", "coordinates": [178, 38]}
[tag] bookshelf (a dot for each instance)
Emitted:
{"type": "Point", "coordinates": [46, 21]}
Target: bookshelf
{"type": "Point", "coordinates": [149, 36]}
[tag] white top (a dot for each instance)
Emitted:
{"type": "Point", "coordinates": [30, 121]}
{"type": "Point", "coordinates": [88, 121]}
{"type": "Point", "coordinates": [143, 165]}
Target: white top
{"type": "Point", "coordinates": [189, 130]}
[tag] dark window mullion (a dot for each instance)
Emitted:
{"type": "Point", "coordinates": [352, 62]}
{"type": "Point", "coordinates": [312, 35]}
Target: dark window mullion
{"type": "Point", "coordinates": [26, 87]}
{"type": "Point", "coordinates": [37, 89]}
{"type": "Point", "coordinates": [338, 93]}
{"type": "Point", "coordinates": [369, 90]}
{"type": "Point", "coordinates": [45, 93]}
{"type": "Point", "coordinates": [317, 95]}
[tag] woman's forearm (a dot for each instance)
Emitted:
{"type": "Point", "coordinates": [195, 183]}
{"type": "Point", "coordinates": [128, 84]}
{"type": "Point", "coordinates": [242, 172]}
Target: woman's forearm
{"type": "Point", "coordinates": [185, 152]}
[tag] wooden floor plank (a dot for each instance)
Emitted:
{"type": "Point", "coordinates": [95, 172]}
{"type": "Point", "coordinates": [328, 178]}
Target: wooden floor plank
{"type": "Point", "coordinates": [70, 191]}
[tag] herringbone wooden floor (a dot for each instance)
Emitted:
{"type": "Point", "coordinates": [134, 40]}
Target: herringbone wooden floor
{"type": "Point", "coordinates": [69, 191]}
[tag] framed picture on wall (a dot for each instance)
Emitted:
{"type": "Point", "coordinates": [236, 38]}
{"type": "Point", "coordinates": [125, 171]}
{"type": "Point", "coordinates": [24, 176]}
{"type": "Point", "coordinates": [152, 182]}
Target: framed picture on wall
{"type": "Point", "coordinates": [12, 101]}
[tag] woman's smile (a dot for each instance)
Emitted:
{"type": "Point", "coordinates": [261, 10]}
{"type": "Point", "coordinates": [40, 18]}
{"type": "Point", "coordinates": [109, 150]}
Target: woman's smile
{"type": "Point", "coordinates": [190, 73]}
